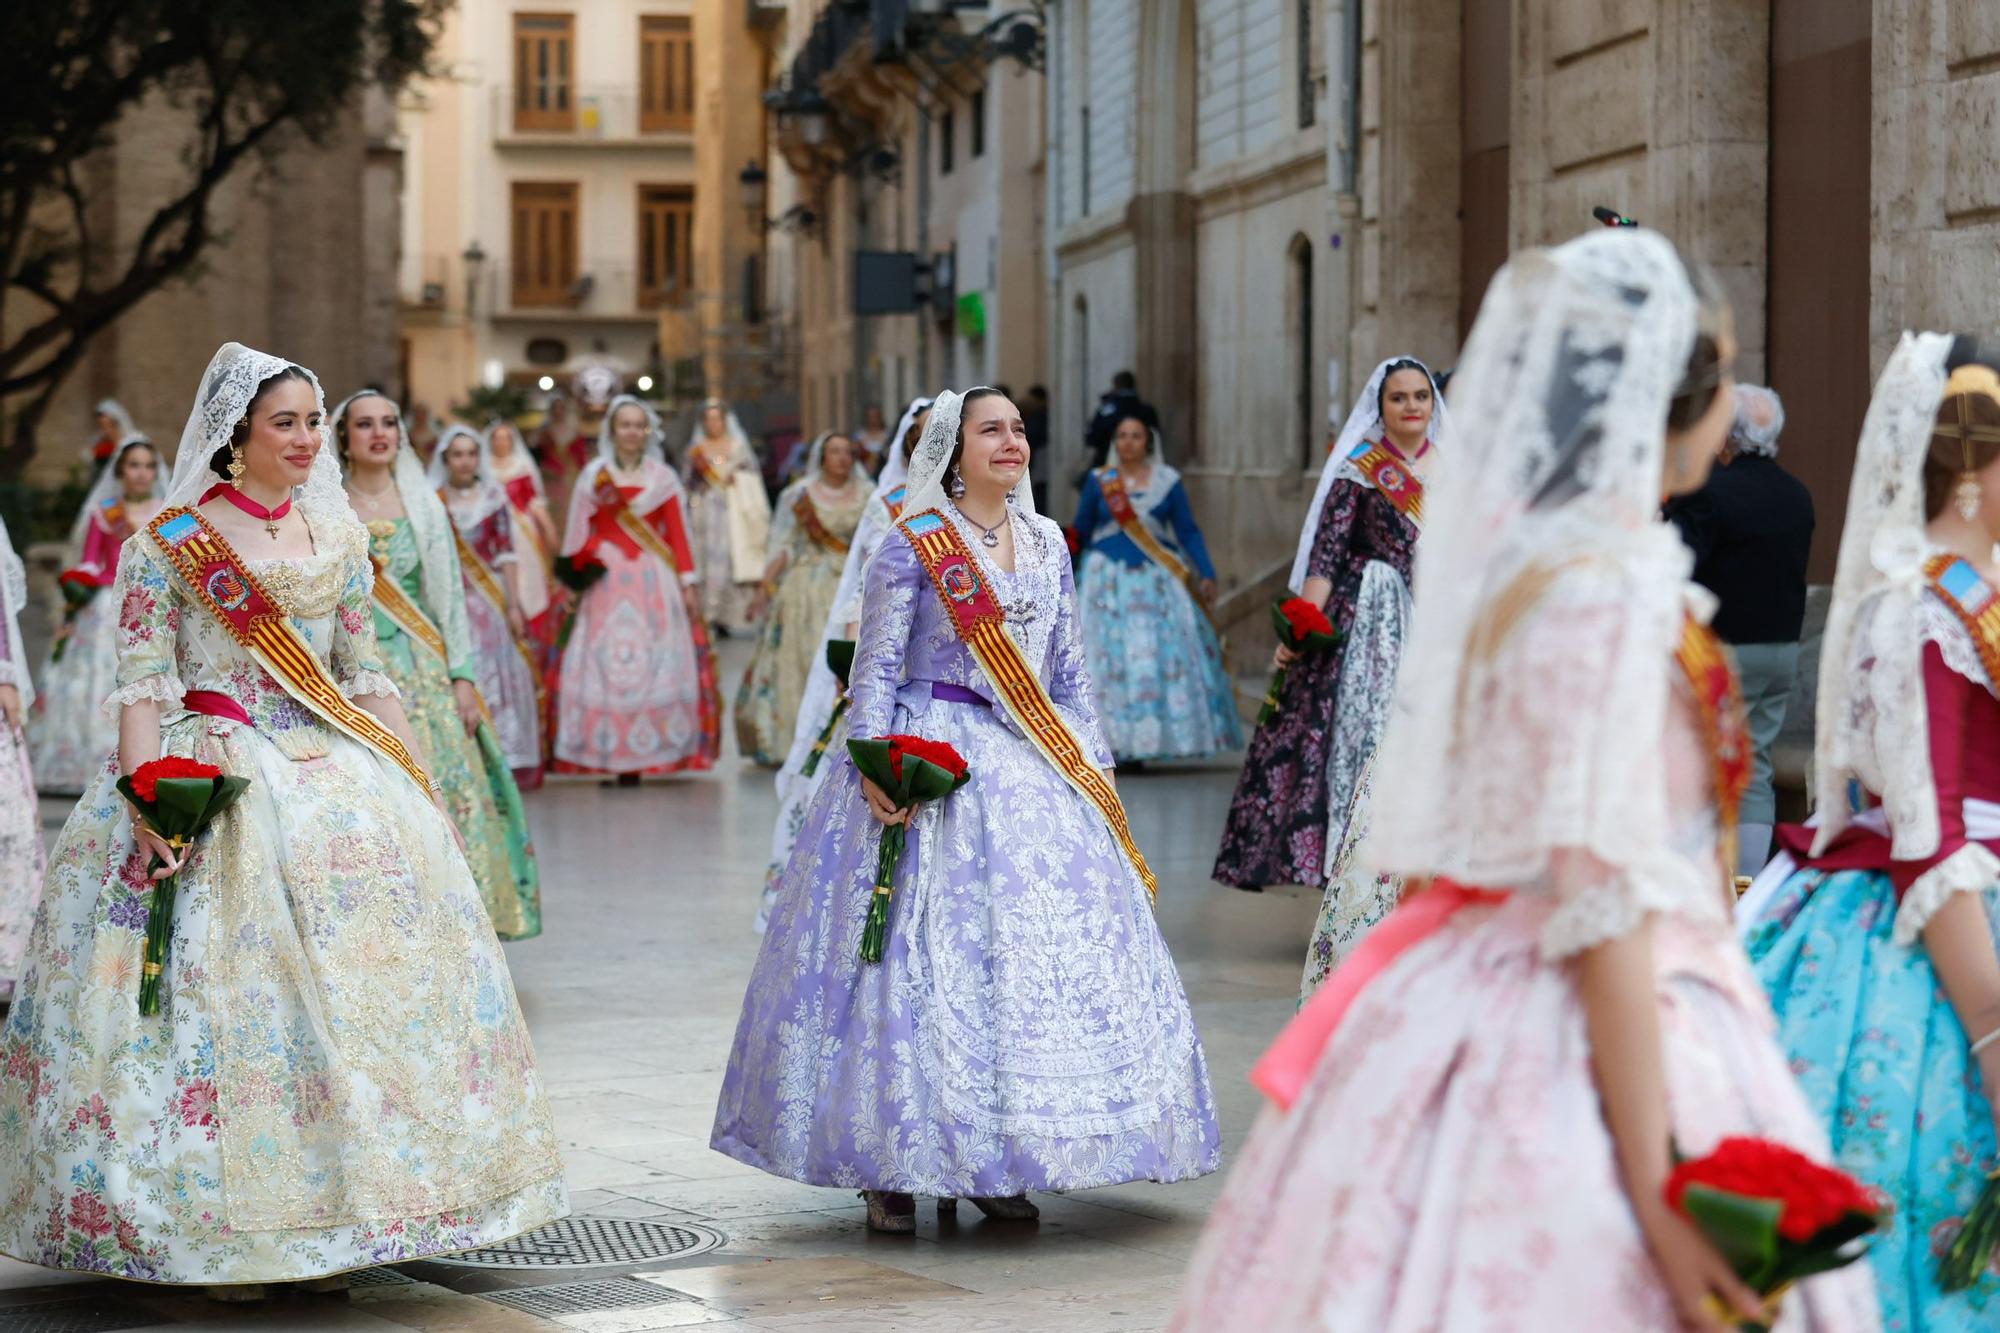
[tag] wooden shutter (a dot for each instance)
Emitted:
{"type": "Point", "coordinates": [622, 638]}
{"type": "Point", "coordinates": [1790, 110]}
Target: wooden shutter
{"type": "Point", "coordinates": [544, 242]}
{"type": "Point", "coordinates": [544, 89]}
{"type": "Point", "coordinates": [666, 245]}
{"type": "Point", "coordinates": [666, 74]}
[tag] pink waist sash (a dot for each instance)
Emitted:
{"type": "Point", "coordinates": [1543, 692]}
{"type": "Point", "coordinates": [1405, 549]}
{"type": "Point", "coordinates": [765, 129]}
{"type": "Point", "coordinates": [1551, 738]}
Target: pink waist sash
{"type": "Point", "coordinates": [1283, 1071]}
{"type": "Point", "coordinates": [215, 705]}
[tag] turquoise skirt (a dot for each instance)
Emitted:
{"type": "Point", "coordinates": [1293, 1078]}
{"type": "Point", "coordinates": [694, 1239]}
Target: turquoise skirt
{"type": "Point", "coordinates": [1883, 1059]}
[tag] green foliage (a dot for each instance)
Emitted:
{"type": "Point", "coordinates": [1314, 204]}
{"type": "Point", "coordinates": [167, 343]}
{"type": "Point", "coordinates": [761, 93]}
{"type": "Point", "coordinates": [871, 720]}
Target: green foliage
{"type": "Point", "coordinates": [509, 402]}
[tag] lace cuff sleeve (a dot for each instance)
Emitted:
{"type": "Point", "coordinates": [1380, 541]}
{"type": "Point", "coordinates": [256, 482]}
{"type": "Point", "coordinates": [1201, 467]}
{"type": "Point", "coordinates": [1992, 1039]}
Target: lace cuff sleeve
{"type": "Point", "coordinates": [165, 689]}
{"type": "Point", "coordinates": [1970, 869]}
{"type": "Point", "coordinates": [369, 682]}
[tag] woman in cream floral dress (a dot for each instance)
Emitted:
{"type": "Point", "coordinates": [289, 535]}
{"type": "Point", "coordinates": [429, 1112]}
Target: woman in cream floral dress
{"type": "Point", "coordinates": [339, 1075]}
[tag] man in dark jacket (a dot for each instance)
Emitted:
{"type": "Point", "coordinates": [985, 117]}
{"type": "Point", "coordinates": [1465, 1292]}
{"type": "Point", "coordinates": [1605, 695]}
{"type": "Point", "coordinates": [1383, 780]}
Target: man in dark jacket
{"type": "Point", "coordinates": [1123, 398]}
{"type": "Point", "coordinates": [1750, 529]}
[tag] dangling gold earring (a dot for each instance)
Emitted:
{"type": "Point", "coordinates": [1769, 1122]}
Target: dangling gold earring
{"type": "Point", "coordinates": [1967, 495]}
{"type": "Point", "coordinates": [236, 468]}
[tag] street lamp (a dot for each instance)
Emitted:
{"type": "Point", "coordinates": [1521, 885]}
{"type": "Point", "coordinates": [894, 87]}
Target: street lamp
{"type": "Point", "coordinates": [474, 259]}
{"type": "Point", "coordinates": [545, 383]}
{"type": "Point", "coordinates": [752, 184]}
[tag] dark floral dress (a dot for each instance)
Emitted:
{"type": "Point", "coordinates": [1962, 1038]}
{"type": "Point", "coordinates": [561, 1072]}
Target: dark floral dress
{"type": "Point", "coordinates": [1276, 833]}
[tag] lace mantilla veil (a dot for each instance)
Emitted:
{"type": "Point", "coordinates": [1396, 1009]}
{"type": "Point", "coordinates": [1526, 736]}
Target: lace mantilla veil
{"type": "Point", "coordinates": [932, 460]}
{"type": "Point", "coordinates": [487, 494]}
{"type": "Point", "coordinates": [1872, 724]}
{"type": "Point", "coordinates": [1362, 421]}
{"type": "Point", "coordinates": [1548, 593]}
{"type": "Point", "coordinates": [107, 487]}
{"type": "Point", "coordinates": [223, 399]}
{"type": "Point", "coordinates": [437, 547]}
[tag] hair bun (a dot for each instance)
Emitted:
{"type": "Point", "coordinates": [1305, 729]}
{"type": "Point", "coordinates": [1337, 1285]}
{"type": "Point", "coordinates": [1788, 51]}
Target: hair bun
{"type": "Point", "coordinates": [218, 462]}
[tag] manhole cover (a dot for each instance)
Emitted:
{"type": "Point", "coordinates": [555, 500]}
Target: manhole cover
{"type": "Point", "coordinates": [618, 1293]}
{"type": "Point", "coordinates": [593, 1242]}
{"type": "Point", "coordinates": [84, 1315]}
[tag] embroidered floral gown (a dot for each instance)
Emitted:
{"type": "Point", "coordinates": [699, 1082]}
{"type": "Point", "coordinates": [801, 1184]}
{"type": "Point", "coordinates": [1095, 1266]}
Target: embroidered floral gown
{"type": "Point", "coordinates": [479, 786]}
{"type": "Point", "coordinates": [21, 857]}
{"type": "Point", "coordinates": [724, 600]}
{"type": "Point", "coordinates": [509, 679]}
{"type": "Point", "coordinates": [1285, 803]}
{"type": "Point", "coordinates": [1025, 1028]}
{"type": "Point", "coordinates": [767, 703]}
{"type": "Point", "coordinates": [339, 1075]}
{"type": "Point", "coordinates": [1162, 689]}
{"type": "Point", "coordinates": [637, 690]}
{"type": "Point", "coordinates": [1446, 1164]}
{"type": "Point", "coordinates": [70, 734]}
{"type": "Point", "coordinates": [1872, 1036]}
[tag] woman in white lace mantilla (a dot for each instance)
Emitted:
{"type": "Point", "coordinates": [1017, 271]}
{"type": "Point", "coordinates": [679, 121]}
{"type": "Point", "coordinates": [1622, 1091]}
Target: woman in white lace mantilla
{"type": "Point", "coordinates": [1025, 1027]}
{"type": "Point", "coordinates": [729, 516]}
{"type": "Point", "coordinates": [301, 1105]}
{"type": "Point", "coordinates": [1474, 1118]}
{"type": "Point", "coordinates": [1875, 930]}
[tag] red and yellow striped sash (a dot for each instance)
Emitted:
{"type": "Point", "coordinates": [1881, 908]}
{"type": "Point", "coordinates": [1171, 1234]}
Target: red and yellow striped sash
{"type": "Point", "coordinates": [1119, 501]}
{"type": "Point", "coordinates": [1968, 597]}
{"type": "Point", "coordinates": [223, 586]}
{"type": "Point", "coordinates": [1392, 477]}
{"type": "Point", "coordinates": [981, 623]}
{"type": "Point", "coordinates": [807, 514]}
{"type": "Point", "coordinates": [1718, 701]}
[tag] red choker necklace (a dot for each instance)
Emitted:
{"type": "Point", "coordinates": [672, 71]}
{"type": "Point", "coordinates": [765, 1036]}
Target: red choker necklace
{"type": "Point", "coordinates": [249, 506]}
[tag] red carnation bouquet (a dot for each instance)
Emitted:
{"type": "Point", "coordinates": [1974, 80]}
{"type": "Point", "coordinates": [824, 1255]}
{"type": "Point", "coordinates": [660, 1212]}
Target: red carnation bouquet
{"type": "Point", "coordinates": [908, 769]}
{"type": "Point", "coordinates": [840, 661]}
{"type": "Point", "coordinates": [1303, 628]}
{"type": "Point", "coordinates": [78, 587]}
{"type": "Point", "coordinates": [1776, 1215]}
{"type": "Point", "coordinates": [177, 799]}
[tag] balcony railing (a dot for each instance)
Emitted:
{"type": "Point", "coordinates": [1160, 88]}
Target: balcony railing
{"type": "Point", "coordinates": [596, 290]}
{"type": "Point", "coordinates": [531, 114]}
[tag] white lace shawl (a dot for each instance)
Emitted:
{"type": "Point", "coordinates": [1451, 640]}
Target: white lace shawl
{"type": "Point", "coordinates": [1525, 750]}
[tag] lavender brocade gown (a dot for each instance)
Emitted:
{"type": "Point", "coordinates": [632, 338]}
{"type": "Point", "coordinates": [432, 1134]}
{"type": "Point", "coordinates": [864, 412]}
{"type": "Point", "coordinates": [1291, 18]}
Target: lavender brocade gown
{"type": "Point", "coordinates": [1026, 1028]}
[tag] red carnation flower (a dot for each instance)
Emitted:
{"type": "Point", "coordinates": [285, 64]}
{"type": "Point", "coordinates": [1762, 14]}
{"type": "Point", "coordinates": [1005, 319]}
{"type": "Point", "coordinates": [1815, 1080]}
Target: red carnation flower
{"type": "Point", "coordinates": [936, 752]}
{"type": "Point", "coordinates": [1813, 1197]}
{"type": "Point", "coordinates": [102, 450]}
{"type": "Point", "coordinates": [1305, 618]}
{"type": "Point", "coordinates": [145, 779]}
{"type": "Point", "coordinates": [80, 577]}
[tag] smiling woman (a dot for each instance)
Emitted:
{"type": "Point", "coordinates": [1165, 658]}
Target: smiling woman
{"type": "Point", "coordinates": [299, 1106]}
{"type": "Point", "coordinates": [1025, 1027]}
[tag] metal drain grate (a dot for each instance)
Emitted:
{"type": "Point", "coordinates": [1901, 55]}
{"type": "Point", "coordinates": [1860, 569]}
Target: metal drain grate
{"type": "Point", "coordinates": [84, 1315]}
{"type": "Point", "coordinates": [592, 1242]}
{"type": "Point", "coordinates": [379, 1277]}
{"type": "Point", "coordinates": [618, 1293]}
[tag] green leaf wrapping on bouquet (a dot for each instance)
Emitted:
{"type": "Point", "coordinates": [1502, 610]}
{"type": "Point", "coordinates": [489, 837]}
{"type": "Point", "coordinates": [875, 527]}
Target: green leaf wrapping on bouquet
{"type": "Point", "coordinates": [1744, 1230]}
{"type": "Point", "coordinates": [577, 576]}
{"type": "Point", "coordinates": [826, 736]}
{"type": "Point", "coordinates": [871, 760]}
{"type": "Point", "coordinates": [181, 809]}
{"type": "Point", "coordinates": [921, 780]}
{"type": "Point", "coordinates": [1977, 1245]}
{"type": "Point", "coordinates": [840, 658]}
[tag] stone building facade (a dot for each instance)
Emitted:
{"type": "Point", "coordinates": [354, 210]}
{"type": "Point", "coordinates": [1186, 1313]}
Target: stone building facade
{"type": "Point", "coordinates": [305, 267]}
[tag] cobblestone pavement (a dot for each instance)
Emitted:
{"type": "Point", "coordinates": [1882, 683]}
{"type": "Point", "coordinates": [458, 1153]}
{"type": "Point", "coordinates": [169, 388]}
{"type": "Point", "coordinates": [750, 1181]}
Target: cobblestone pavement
{"type": "Point", "coordinates": [632, 994]}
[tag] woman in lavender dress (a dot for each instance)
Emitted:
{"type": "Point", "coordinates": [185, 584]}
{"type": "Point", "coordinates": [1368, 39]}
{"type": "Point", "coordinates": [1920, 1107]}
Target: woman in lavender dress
{"type": "Point", "coordinates": [1025, 1028]}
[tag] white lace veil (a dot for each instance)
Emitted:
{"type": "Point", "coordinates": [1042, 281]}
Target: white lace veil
{"type": "Point", "coordinates": [13, 597]}
{"type": "Point", "coordinates": [656, 447]}
{"type": "Point", "coordinates": [1363, 422]}
{"type": "Point", "coordinates": [932, 460]}
{"type": "Point", "coordinates": [107, 487]}
{"type": "Point", "coordinates": [1871, 720]}
{"type": "Point", "coordinates": [437, 548]}
{"type": "Point", "coordinates": [486, 495]}
{"type": "Point", "coordinates": [1508, 745]}
{"type": "Point", "coordinates": [111, 407]}
{"type": "Point", "coordinates": [732, 428]}
{"type": "Point", "coordinates": [896, 468]}
{"type": "Point", "coordinates": [227, 388]}
{"type": "Point", "coordinates": [523, 457]}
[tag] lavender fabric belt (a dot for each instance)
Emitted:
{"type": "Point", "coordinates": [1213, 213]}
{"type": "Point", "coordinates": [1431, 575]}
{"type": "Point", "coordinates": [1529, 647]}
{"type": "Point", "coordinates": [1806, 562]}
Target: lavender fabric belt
{"type": "Point", "coordinates": [946, 692]}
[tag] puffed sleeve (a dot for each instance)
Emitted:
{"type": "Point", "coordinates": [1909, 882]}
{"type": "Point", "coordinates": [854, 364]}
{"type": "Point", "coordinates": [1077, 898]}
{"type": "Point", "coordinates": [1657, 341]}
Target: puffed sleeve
{"type": "Point", "coordinates": [503, 537]}
{"type": "Point", "coordinates": [784, 522]}
{"type": "Point", "coordinates": [149, 623]}
{"type": "Point", "coordinates": [895, 579]}
{"type": "Point", "coordinates": [1187, 532]}
{"type": "Point", "coordinates": [355, 657]}
{"type": "Point", "coordinates": [1069, 676]}
{"type": "Point", "coordinates": [100, 550]}
{"type": "Point", "coordinates": [1958, 865]}
{"type": "Point", "coordinates": [675, 524]}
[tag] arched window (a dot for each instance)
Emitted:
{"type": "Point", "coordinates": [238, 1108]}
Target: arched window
{"type": "Point", "coordinates": [1299, 330]}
